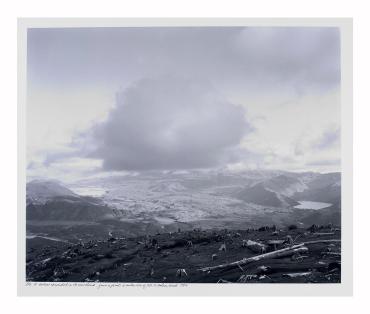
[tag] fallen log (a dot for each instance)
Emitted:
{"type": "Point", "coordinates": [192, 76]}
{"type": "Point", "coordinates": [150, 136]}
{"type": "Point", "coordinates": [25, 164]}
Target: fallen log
{"type": "Point", "coordinates": [295, 275]}
{"type": "Point", "coordinates": [291, 250]}
{"type": "Point", "coordinates": [322, 241]}
{"type": "Point", "coordinates": [323, 233]}
{"type": "Point", "coordinates": [331, 253]}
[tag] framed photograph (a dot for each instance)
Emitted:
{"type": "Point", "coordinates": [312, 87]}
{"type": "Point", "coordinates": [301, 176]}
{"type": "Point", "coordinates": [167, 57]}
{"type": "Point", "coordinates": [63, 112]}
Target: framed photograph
{"type": "Point", "coordinates": [185, 157]}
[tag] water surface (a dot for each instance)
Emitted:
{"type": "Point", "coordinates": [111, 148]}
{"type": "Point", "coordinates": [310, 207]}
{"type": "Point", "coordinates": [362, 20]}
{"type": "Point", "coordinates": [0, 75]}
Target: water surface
{"type": "Point", "coordinates": [312, 205]}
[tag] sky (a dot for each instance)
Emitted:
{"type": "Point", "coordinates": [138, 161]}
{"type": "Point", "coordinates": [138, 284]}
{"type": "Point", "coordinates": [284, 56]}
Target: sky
{"type": "Point", "coordinates": [119, 100]}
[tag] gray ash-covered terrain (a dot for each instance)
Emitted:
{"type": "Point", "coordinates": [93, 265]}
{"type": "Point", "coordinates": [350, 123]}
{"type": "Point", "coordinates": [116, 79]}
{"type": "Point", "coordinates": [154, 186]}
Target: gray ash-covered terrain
{"type": "Point", "coordinates": [314, 257]}
{"type": "Point", "coordinates": [170, 226]}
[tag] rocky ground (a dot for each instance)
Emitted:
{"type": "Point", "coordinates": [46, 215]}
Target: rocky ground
{"type": "Point", "coordinates": [180, 256]}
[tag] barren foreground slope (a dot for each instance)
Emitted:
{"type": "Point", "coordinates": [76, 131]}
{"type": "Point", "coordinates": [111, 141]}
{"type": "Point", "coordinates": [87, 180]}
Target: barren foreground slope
{"type": "Point", "coordinates": [180, 256]}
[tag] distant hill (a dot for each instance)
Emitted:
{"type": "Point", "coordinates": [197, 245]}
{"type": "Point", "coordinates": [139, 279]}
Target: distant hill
{"type": "Point", "coordinates": [323, 188]}
{"type": "Point", "coordinates": [285, 185]}
{"type": "Point", "coordinates": [67, 209]}
{"type": "Point", "coordinates": [259, 195]}
{"type": "Point", "coordinates": [40, 191]}
{"type": "Point", "coordinates": [324, 216]}
{"type": "Point", "coordinates": [49, 200]}
{"type": "Point", "coordinates": [324, 180]}
{"type": "Point", "coordinates": [285, 190]}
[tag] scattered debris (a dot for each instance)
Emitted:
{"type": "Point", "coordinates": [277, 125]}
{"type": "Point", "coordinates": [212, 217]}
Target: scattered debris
{"type": "Point", "coordinates": [112, 240]}
{"type": "Point", "coordinates": [323, 233]}
{"type": "Point", "coordinates": [256, 246]}
{"type": "Point", "coordinates": [222, 247]}
{"type": "Point", "coordinates": [223, 281]}
{"type": "Point", "coordinates": [334, 266]}
{"type": "Point", "coordinates": [263, 277]}
{"type": "Point", "coordinates": [263, 269]}
{"type": "Point", "coordinates": [245, 278]}
{"type": "Point", "coordinates": [134, 259]}
{"type": "Point", "coordinates": [289, 240]}
{"type": "Point", "coordinates": [298, 257]}
{"type": "Point", "coordinates": [181, 272]}
{"type": "Point", "coordinates": [154, 242]}
{"type": "Point", "coordinates": [275, 243]}
{"type": "Point", "coordinates": [313, 228]}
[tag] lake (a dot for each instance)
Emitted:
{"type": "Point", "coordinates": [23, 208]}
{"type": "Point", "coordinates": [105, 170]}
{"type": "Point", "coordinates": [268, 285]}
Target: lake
{"type": "Point", "coordinates": [312, 205]}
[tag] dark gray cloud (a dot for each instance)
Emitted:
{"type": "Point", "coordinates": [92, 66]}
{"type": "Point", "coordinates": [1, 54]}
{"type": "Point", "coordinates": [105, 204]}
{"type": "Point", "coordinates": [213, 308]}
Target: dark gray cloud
{"type": "Point", "coordinates": [305, 58]}
{"type": "Point", "coordinates": [170, 123]}
{"type": "Point", "coordinates": [253, 58]}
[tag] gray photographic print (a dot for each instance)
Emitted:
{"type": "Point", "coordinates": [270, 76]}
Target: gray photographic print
{"type": "Point", "coordinates": [183, 154]}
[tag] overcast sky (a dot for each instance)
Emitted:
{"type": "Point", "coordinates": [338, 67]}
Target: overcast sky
{"type": "Point", "coordinates": [135, 99]}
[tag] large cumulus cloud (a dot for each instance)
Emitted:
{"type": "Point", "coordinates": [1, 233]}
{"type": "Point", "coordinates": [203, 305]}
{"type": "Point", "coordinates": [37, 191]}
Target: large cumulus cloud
{"type": "Point", "coordinates": [170, 123]}
{"type": "Point", "coordinates": [287, 77]}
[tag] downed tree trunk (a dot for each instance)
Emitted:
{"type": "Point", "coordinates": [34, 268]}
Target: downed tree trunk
{"type": "Point", "coordinates": [323, 233]}
{"type": "Point", "coordinates": [299, 248]}
{"type": "Point", "coordinates": [295, 275]}
{"type": "Point", "coordinates": [322, 241]}
{"type": "Point", "coordinates": [331, 253]}
{"type": "Point", "coordinates": [291, 250]}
